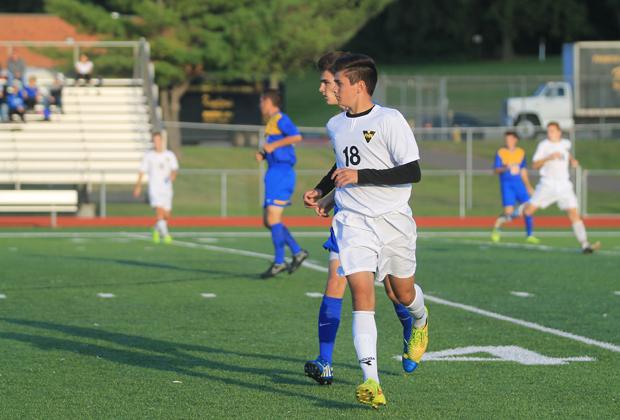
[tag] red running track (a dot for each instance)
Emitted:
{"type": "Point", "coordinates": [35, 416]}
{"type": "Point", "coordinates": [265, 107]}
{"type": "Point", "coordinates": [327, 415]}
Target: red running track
{"type": "Point", "coordinates": [485, 222]}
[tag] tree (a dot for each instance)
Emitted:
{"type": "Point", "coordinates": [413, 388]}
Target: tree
{"type": "Point", "coordinates": [240, 39]}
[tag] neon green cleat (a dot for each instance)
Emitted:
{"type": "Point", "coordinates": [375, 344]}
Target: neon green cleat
{"type": "Point", "coordinates": [370, 393]}
{"type": "Point", "coordinates": [532, 240]}
{"type": "Point", "coordinates": [167, 239]}
{"type": "Point", "coordinates": [495, 235]}
{"type": "Point", "coordinates": [417, 345]}
{"type": "Point", "coordinates": [156, 238]}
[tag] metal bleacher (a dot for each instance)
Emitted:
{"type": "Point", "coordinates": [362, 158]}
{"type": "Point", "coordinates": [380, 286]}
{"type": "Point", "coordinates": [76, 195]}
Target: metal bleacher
{"type": "Point", "coordinates": [100, 138]}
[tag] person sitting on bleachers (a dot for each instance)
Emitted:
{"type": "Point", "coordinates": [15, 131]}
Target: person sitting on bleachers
{"type": "Point", "coordinates": [16, 103]}
{"type": "Point", "coordinates": [4, 107]}
{"type": "Point", "coordinates": [56, 92]}
{"type": "Point", "coordinates": [31, 94]}
{"type": "Point", "coordinates": [16, 67]}
{"type": "Point", "coordinates": [83, 69]}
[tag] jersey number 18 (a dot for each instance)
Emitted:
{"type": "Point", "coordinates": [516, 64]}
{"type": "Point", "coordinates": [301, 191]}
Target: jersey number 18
{"type": "Point", "coordinates": [351, 155]}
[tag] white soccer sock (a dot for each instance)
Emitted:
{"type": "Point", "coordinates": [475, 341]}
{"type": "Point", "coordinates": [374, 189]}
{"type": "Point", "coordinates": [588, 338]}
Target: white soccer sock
{"type": "Point", "coordinates": [580, 233]}
{"type": "Point", "coordinates": [416, 309]}
{"type": "Point", "coordinates": [501, 220]}
{"type": "Point", "coordinates": [365, 342]}
{"type": "Point", "coordinates": [162, 226]}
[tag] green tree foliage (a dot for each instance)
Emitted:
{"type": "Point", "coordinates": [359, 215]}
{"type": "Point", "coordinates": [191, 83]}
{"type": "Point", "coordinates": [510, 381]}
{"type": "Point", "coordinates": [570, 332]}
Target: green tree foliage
{"type": "Point", "coordinates": [226, 39]}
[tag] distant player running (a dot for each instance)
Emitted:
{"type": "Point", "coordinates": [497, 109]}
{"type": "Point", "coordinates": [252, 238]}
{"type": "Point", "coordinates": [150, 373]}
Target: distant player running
{"type": "Point", "coordinates": [161, 166]}
{"type": "Point", "coordinates": [330, 311]}
{"type": "Point", "coordinates": [280, 136]}
{"type": "Point", "coordinates": [377, 160]}
{"type": "Point", "coordinates": [510, 165]}
{"type": "Point", "coordinates": [553, 158]}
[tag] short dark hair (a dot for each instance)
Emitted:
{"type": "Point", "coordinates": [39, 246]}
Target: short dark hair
{"type": "Point", "coordinates": [273, 95]}
{"type": "Point", "coordinates": [512, 133]}
{"type": "Point", "coordinates": [554, 123]}
{"type": "Point", "coordinates": [326, 61]}
{"type": "Point", "coordinates": [358, 67]}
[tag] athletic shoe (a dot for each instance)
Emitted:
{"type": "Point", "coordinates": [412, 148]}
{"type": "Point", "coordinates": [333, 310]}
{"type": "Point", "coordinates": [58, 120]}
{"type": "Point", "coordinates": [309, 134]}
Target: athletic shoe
{"type": "Point", "coordinates": [370, 393]}
{"type": "Point", "coordinates": [298, 259]}
{"type": "Point", "coordinates": [495, 235]}
{"type": "Point", "coordinates": [591, 248]}
{"type": "Point", "coordinates": [532, 240]}
{"type": "Point", "coordinates": [319, 370]}
{"type": "Point", "coordinates": [156, 238]}
{"type": "Point", "coordinates": [416, 347]}
{"type": "Point", "coordinates": [273, 270]}
{"type": "Point", "coordinates": [168, 239]}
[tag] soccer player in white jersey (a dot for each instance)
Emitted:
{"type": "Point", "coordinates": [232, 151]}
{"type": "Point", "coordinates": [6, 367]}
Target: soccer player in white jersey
{"type": "Point", "coordinates": [376, 160]}
{"type": "Point", "coordinates": [552, 158]}
{"type": "Point", "coordinates": [320, 369]}
{"type": "Point", "coordinates": [161, 166]}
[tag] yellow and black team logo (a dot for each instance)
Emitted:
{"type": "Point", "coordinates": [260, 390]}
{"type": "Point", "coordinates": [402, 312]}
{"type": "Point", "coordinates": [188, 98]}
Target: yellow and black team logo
{"type": "Point", "coordinates": [368, 135]}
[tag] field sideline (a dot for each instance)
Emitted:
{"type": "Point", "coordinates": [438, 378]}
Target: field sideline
{"type": "Point", "coordinates": [105, 324]}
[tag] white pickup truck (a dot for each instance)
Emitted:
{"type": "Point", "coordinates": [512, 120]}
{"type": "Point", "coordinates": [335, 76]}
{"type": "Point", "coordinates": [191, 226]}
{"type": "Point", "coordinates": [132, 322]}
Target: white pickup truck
{"type": "Point", "coordinates": [589, 93]}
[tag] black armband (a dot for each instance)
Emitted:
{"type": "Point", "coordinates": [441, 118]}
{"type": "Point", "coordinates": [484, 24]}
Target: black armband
{"type": "Point", "coordinates": [327, 183]}
{"type": "Point", "coordinates": [403, 174]}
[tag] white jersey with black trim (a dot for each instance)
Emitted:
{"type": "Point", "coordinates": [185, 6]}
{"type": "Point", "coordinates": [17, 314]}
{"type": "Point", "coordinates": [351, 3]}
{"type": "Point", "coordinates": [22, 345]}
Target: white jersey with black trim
{"type": "Point", "coordinates": [378, 139]}
{"type": "Point", "coordinates": [555, 170]}
{"type": "Point", "coordinates": [159, 167]}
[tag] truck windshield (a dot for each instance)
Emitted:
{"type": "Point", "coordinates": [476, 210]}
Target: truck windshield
{"type": "Point", "coordinates": [540, 90]}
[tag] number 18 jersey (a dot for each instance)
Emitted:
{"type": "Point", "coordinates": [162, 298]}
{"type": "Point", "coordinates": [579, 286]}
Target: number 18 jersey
{"type": "Point", "coordinates": [376, 139]}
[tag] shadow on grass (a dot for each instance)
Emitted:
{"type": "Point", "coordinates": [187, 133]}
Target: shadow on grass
{"type": "Point", "coordinates": [173, 357]}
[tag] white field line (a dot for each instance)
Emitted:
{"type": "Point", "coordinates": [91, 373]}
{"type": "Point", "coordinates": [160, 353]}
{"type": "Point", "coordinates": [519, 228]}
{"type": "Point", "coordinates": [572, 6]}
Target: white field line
{"type": "Point", "coordinates": [302, 234]}
{"type": "Point", "coordinates": [468, 308]}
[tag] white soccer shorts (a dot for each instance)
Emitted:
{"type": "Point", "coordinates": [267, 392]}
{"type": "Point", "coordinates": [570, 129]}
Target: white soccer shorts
{"type": "Point", "coordinates": [549, 193]}
{"type": "Point", "coordinates": [382, 245]}
{"type": "Point", "coordinates": [163, 200]}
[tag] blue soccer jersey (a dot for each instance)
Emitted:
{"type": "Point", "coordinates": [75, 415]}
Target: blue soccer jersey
{"type": "Point", "coordinates": [280, 176]}
{"type": "Point", "coordinates": [511, 184]}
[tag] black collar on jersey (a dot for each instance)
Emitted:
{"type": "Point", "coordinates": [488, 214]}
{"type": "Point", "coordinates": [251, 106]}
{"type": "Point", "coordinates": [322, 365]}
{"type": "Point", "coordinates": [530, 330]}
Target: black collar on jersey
{"type": "Point", "coordinates": [361, 114]}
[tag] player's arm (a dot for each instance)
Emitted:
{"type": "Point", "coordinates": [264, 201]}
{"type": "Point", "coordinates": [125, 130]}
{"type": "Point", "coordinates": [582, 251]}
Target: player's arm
{"type": "Point", "coordinates": [499, 167]}
{"type": "Point", "coordinates": [402, 174]}
{"type": "Point", "coordinates": [173, 175]}
{"type": "Point", "coordinates": [137, 189]}
{"type": "Point", "coordinates": [286, 141]}
{"type": "Point", "coordinates": [322, 188]}
{"type": "Point", "coordinates": [573, 162]}
{"type": "Point", "coordinates": [526, 180]}
{"type": "Point", "coordinates": [537, 164]}
{"type": "Point", "coordinates": [325, 204]}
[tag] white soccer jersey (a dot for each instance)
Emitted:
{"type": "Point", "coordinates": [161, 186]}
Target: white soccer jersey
{"type": "Point", "coordinates": [555, 170]}
{"type": "Point", "coordinates": [158, 167]}
{"type": "Point", "coordinates": [380, 139]}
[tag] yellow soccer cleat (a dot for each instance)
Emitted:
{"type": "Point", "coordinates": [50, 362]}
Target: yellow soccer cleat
{"type": "Point", "coordinates": [168, 239]}
{"type": "Point", "coordinates": [156, 238]}
{"type": "Point", "coordinates": [370, 393]}
{"type": "Point", "coordinates": [532, 240]}
{"type": "Point", "coordinates": [495, 235]}
{"type": "Point", "coordinates": [416, 347]}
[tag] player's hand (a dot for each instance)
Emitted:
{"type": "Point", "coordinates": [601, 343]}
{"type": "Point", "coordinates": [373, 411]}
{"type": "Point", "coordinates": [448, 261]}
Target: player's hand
{"type": "Point", "coordinates": [324, 206]}
{"type": "Point", "coordinates": [344, 176]}
{"type": "Point", "coordinates": [136, 191]}
{"type": "Point", "coordinates": [311, 197]}
{"type": "Point", "coordinates": [530, 191]}
{"type": "Point", "coordinates": [556, 155]}
{"type": "Point", "coordinates": [268, 148]}
{"type": "Point", "coordinates": [574, 163]}
{"type": "Point", "coordinates": [259, 157]}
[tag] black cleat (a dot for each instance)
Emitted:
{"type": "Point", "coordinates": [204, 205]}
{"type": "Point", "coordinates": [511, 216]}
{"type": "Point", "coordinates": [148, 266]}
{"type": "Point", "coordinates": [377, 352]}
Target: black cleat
{"type": "Point", "coordinates": [273, 270]}
{"type": "Point", "coordinates": [591, 248]}
{"type": "Point", "coordinates": [298, 259]}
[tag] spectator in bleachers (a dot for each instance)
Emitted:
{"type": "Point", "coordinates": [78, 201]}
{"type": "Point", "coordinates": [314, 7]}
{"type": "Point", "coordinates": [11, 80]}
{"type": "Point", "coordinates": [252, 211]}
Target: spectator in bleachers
{"type": "Point", "coordinates": [4, 107]}
{"type": "Point", "coordinates": [16, 67]}
{"type": "Point", "coordinates": [56, 92]}
{"type": "Point", "coordinates": [31, 93]}
{"type": "Point", "coordinates": [84, 69]}
{"type": "Point", "coordinates": [16, 103]}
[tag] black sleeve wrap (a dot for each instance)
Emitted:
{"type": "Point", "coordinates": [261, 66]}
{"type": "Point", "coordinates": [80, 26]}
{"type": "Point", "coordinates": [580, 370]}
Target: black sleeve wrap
{"type": "Point", "coordinates": [327, 183]}
{"type": "Point", "coordinates": [403, 174]}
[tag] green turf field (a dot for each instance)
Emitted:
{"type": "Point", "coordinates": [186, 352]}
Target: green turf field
{"type": "Point", "coordinates": [158, 349]}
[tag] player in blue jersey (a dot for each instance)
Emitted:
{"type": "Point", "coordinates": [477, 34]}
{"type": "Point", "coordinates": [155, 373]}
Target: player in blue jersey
{"type": "Point", "coordinates": [280, 136]}
{"type": "Point", "coordinates": [510, 165]}
{"type": "Point", "coordinates": [320, 369]}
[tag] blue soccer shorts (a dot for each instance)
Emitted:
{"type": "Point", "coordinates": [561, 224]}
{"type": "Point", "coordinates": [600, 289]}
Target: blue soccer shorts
{"type": "Point", "coordinates": [513, 193]}
{"type": "Point", "coordinates": [279, 186]}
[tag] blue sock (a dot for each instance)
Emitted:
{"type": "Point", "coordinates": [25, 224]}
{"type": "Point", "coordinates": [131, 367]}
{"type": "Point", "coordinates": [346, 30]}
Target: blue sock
{"type": "Point", "coordinates": [529, 225]}
{"type": "Point", "coordinates": [405, 318]}
{"type": "Point", "coordinates": [277, 237]}
{"type": "Point", "coordinates": [290, 241]}
{"type": "Point", "coordinates": [329, 320]}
